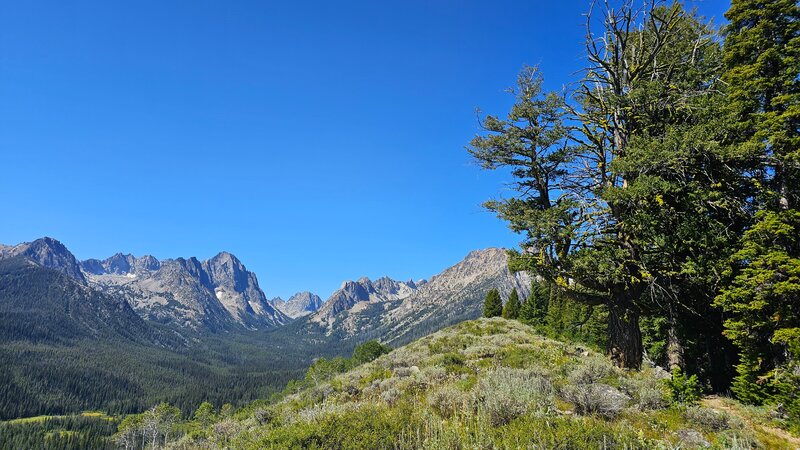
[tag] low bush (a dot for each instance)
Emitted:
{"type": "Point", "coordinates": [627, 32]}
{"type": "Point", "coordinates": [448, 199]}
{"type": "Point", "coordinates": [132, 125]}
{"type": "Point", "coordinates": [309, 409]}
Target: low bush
{"type": "Point", "coordinates": [647, 393]}
{"type": "Point", "coordinates": [371, 426]}
{"type": "Point", "coordinates": [593, 371]}
{"type": "Point", "coordinates": [595, 399]}
{"type": "Point", "coordinates": [710, 419]}
{"type": "Point", "coordinates": [505, 394]}
{"type": "Point", "coordinates": [447, 401]}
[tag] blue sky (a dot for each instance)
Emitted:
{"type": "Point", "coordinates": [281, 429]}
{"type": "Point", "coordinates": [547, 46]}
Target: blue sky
{"type": "Point", "coordinates": [317, 141]}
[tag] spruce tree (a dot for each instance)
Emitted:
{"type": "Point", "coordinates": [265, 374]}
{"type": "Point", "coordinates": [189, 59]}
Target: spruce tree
{"type": "Point", "coordinates": [512, 306]}
{"type": "Point", "coordinates": [534, 310]}
{"type": "Point", "coordinates": [492, 306]}
{"type": "Point", "coordinates": [762, 57]}
{"type": "Point", "coordinates": [526, 310]}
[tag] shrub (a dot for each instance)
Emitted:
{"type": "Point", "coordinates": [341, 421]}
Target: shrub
{"type": "Point", "coordinates": [737, 440]}
{"type": "Point", "coordinates": [447, 401]}
{"type": "Point", "coordinates": [593, 371]}
{"type": "Point", "coordinates": [369, 351]}
{"type": "Point", "coordinates": [648, 393]}
{"type": "Point", "coordinates": [595, 399]}
{"type": "Point", "coordinates": [688, 438]}
{"type": "Point", "coordinates": [683, 390]}
{"type": "Point", "coordinates": [454, 363]}
{"type": "Point", "coordinates": [391, 396]}
{"type": "Point", "coordinates": [265, 415]}
{"type": "Point", "coordinates": [710, 419]}
{"type": "Point", "coordinates": [505, 394]}
{"type": "Point", "coordinates": [371, 426]}
{"type": "Point", "coordinates": [403, 372]}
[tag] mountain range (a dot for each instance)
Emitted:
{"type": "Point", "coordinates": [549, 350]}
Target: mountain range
{"type": "Point", "coordinates": [139, 330]}
{"type": "Point", "coordinates": [221, 294]}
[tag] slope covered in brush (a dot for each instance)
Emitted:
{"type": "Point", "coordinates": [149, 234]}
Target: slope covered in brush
{"type": "Point", "coordinates": [488, 383]}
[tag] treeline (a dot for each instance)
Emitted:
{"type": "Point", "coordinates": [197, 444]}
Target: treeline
{"type": "Point", "coordinates": [552, 314]}
{"type": "Point", "coordinates": [92, 432]}
{"type": "Point", "coordinates": [663, 186]}
{"type": "Point", "coordinates": [37, 380]}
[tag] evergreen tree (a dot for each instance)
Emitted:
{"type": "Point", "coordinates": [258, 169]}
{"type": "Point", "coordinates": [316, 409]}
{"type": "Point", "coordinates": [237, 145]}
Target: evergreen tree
{"type": "Point", "coordinates": [492, 306]}
{"type": "Point", "coordinates": [369, 351]}
{"type": "Point", "coordinates": [526, 311]}
{"type": "Point", "coordinates": [599, 204]}
{"type": "Point", "coordinates": [764, 300]}
{"type": "Point", "coordinates": [205, 415]}
{"type": "Point", "coordinates": [512, 306]}
{"type": "Point", "coordinates": [534, 310]}
{"type": "Point", "coordinates": [762, 56]}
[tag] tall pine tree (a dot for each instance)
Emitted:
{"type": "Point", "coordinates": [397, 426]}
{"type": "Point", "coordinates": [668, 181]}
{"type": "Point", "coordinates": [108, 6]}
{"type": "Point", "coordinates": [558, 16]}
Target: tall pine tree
{"type": "Point", "coordinates": [512, 306]}
{"type": "Point", "coordinates": [493, 305]}
{"type": "Point", "coordinates": [762, 56]}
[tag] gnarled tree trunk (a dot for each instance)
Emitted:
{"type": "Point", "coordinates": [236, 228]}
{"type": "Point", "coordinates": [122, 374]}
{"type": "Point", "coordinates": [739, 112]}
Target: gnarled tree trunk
{"type": "Point", "coordinates": [624, 334]}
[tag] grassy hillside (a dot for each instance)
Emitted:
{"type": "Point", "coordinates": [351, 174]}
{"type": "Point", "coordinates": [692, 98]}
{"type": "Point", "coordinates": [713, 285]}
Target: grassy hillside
{"type": "Point", "coordinates": [488, 383]}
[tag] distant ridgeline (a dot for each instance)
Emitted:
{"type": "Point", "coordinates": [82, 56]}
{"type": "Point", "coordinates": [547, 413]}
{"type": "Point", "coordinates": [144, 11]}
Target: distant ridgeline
{"type": "Point", "coordinates": [124, 333]}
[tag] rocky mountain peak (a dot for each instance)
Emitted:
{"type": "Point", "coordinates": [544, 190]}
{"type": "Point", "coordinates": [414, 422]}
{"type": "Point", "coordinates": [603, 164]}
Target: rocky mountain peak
{"type": "Point", "coordinates": [119, 264]}
{"type": "Point", "coordinates": [50, 253]}
{"type": "Point", "coordinates": [455, 294]}
{"type": "Point", "coordinates": [187, 291]}
{"type": "Point", "coordinates": [224, 268]}
{"type": "Point", "coordinates": [147, 262]}
{"type": "Point", "coordinates": [362, 291]}
{"type": "Point", "coordinates": [300, 304]}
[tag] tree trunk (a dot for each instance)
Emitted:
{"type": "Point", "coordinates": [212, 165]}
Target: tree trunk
{"type": "Point", "coordinates": [674, 344]}
{"type": "Point", "coordinates": [624, 335]}
{"type": "Point", "coordinates": [674, 348]}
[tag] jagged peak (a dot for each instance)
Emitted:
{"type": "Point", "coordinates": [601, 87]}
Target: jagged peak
{"type": "Point", "coordinates": [51, 253]}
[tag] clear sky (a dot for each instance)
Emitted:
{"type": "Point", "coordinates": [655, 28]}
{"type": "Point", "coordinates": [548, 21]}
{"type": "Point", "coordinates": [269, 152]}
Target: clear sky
{"type": "Point", "coordinates": [318, 141]}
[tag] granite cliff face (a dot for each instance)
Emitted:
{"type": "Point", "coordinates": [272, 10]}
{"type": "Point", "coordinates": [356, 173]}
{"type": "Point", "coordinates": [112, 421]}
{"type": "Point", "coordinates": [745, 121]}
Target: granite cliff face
{"type": "Point", "coordinates": [187, 292]}
{"type": "Point", "coordinates": [357, 295]}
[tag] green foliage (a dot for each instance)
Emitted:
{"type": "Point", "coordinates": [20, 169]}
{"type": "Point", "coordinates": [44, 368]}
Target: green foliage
{"type": "Point", "coordinates": [369, 351]}
{"type": "Point", "coordinates": [74, 432]}
{"type": "Point", "coordinates": [512, 306]}
{"type": "Point", "coordinates": [762, 299]}
{"type": "Point", "coordinates": [534, 310]}
{"type": "Point", "coordinates": [682, 389]}
{"type": "Point", "coordinates": [153, 428]}
{"type": "Point", "coordinates": [369, 427]}
{"type": "Point", "coordinates": [762, 58]}
{"type": "Point", "coordinates": [205, 415]}
{"type": "Point", "coordinates": [454, 363]}
{"type": "Point", "coordinates": [492, 306]}
{"type": "Point", "coordinates": [324, 369]}
{"type": "Point", "coordinates": [631, 208]}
